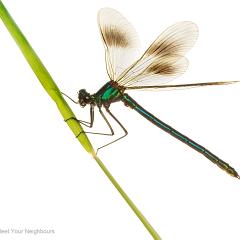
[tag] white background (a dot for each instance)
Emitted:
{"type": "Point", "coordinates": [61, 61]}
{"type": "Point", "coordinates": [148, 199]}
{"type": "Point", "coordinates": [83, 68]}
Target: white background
{"type": "Point", "coordinates": [48, 181]}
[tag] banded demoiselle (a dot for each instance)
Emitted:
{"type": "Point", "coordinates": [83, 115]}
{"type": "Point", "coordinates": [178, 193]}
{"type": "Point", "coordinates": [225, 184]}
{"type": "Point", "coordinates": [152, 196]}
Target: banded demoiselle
{"type": "Point", "coordinates": [162, 62]}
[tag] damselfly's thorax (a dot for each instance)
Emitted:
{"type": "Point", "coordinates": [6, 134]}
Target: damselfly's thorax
{"type": "Point", "coordinates": [108, 94]}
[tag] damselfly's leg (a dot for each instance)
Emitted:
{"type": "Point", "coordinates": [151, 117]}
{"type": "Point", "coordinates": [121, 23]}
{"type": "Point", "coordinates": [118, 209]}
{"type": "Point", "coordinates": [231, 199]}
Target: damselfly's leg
{"type": "Point", "coordinates": [69, 97]}
{"type": "Point", "coordinates": [123, 128]}
{"type": "Point", "coordinates": [109, 125]}
{"type": "Point", "coordinates": [85, 123]}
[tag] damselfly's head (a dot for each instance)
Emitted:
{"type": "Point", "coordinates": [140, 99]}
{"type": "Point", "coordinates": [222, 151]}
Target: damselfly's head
{"type": "Point", "coordinates": [84, 98]}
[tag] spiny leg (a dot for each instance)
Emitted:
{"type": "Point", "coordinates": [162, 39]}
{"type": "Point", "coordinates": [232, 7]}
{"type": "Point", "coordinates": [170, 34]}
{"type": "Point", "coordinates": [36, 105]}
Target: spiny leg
{"type": "Point", "coordinates": [69, 98]}
{"type": "Point", "coordinates": [85, 123]}
{"type": "Point", "coordinates": [109, 125]}
{"type": "Point", "coordinates": [123, 128]}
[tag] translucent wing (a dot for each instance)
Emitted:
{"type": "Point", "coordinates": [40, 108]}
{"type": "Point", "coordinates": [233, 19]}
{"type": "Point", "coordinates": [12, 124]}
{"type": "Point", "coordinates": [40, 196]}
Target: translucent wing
{"type": "Point", "coordinates": [182, 86]}
{"type": "Point", "coordinates": [164, 59]}
{"type": "Point", "coordinates": [120, 40]}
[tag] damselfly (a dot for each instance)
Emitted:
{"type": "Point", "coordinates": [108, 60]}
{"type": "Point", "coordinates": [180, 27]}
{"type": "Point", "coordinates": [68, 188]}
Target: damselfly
{"type": "Point", "coordinates": [162, 61]}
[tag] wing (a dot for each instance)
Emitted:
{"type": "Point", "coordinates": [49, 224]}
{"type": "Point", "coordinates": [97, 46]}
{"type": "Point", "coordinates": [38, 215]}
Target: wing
{"type": "Point", "coordinates": [120, 40]}
{"type": "Point", "coordinates": [182, 86]}
{"type": "Point", "coordinates": [164, 59]}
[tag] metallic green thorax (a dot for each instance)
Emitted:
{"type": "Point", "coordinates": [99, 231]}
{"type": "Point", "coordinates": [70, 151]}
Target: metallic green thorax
{"type": "Point", "coordinates": [108, 94]}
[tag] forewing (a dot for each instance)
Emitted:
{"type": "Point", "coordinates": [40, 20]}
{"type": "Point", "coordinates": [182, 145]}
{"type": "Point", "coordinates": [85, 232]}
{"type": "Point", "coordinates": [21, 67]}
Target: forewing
{"type": "Point", "coordinates": [120, 40]}
{"type": "Point", "coordinates": [164, 60]}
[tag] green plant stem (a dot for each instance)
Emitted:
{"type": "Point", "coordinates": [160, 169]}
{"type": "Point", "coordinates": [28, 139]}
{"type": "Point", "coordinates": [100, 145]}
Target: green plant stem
{"type": "Point", "coordinates": [53, 91]}
{"type": "Point", "coordinates": [145, 222]}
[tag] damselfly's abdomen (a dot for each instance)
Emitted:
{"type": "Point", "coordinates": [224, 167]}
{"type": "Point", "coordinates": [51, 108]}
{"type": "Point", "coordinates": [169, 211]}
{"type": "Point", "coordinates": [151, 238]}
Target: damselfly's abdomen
{"type": "Point", "coordinates": [128, 101]}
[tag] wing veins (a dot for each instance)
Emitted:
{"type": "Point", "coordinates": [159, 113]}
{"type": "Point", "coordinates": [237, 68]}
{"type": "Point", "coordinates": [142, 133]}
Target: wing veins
{"type": "Point", "coordinates": [183, 86]}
